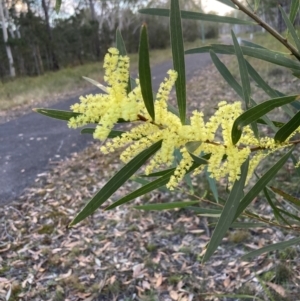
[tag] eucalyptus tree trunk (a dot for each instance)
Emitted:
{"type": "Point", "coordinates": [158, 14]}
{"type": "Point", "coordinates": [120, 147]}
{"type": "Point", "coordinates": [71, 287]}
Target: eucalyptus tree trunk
{"type": "Point", "coordinates": [92, 9]}
{"type": "Point", "coordinates": [54, 61]}
{"type": "Point", "coordinates": [7, 47]}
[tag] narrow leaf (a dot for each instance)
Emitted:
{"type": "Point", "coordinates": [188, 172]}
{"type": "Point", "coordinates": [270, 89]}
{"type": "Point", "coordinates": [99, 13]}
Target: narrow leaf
{"type": "Point", "coordinates": [145, 73]}
{"type": "Point", "coordinates": [228, 3]}
{"type": "Point", "coordinates": [195, 16]}
{"type": "Point", "coordinates": [63, 115]}
{"type": "Point", "coordinates": [115, 183]}
{"type": "Point", "coordinates": [267, 55]}
{"type": "Point", "coordinates": [293, 216]}
{"type": "Point", "coordinates": [285, 131]}
{"type": "Point", "coordinates": [251, 44]}
{"type": "Point", "coordinates": [270, 248]}
{"type": "Point", "coordinates": [261, 82]}
{"type": "Point", "coordinates": [206, 211]}
{"type": "Point", "coordinates": [132, 83]}
{"type": "Point", "coordinates": [140, 180]}
{"type": "Point", "coordinates": [296, 105]}
{"type": "Point", "coordinates": [88, 131]}
{"type": "Point", "coordinates": [261, 183]}
{"type": "Point", "coordinates": [192, 146]}
{"type": "Point", "coordinates": [143, 190]}
{"type": "Point", "coordinates": [95, 83]}
{"type": "Point", "coordinates": [295, 5]}
{"type": "Point", "coordinates": [256, 112]}
{"type": "Point", "coordinates": [295, 161]}
{"type": "Point", "coordinates": [226, 74]}
{"type": "Point", "coordinates": [173, 110]}
{"type": "Point", "coordinates": [276, 212]}
{"type": "Point", "coordinates": [163, 180]}
{"type": "Point", "coordinates": [276, 123]}
{"type": "Point", "coordinates": [256, 5]}
{"type": "Point", "coordinates": [57, 114]}
{"type": "Point", "coordinates": [243, 70]}
{"type": "Point", "coordinates": [158, 173]}
{"type": "Point", "coordinates": [112, 134]}
{"type": "Point", "coordinates": [212, 185]}
{"type": "Point", "coordinates": [244, 225]}
{"type": "Point", "coordinates": [120, 43]}
{"type": "Point", "coordinates": [228, 212]}
{"type": "Point", "coordinates": [234, 84]}
{"type": "Point", "coordinates": [199, 160]}
{"type": "Point", "coordinates": [178, 57]}
{"type": "Point", "coordinates": [57, 5]}
{"type": "Point", "coordinates": [144, 181]}
{"type": "Point", "coordinates": [165, 206]}
{"type": "Point", "coordinates": [188, 180]}
{"type": "Point", "coordinates": [264, 85]}
{"type": "Point", "coordinates": [286, 196]}
{"type": "Point", "coordinates": [290, 27]}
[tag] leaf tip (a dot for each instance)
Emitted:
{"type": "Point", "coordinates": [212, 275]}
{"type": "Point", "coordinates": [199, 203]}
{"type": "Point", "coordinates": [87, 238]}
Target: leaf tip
{"type": "Point", "coordinates": [69, 226]}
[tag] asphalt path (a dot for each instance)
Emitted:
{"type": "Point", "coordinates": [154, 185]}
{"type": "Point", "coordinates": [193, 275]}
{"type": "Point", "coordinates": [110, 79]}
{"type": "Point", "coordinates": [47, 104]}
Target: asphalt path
{"type": "Point", "coordinates": [30, 143]}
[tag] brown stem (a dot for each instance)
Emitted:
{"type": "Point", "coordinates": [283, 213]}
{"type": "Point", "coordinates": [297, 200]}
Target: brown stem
{"type": "Point", "coordinates": [257, 148]}
{"type": "Point", "coordinates": [268, 28]}
{"type": "Point", "coordinates": [252, 149]}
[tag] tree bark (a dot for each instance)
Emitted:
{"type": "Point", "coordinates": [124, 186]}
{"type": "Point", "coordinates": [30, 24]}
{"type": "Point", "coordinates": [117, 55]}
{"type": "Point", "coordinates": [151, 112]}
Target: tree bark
{"type": "Point", "coordinates": [92, 9]}
{"type": "Point", "coordinates": [54, 61]}
{"type": "Point", "coordinates": [12, 70]}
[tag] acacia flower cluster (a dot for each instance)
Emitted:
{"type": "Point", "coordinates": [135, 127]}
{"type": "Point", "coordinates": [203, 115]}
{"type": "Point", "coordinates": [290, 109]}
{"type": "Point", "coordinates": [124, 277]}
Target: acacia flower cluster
{"type": "Point", "coordinates": [106, 109]}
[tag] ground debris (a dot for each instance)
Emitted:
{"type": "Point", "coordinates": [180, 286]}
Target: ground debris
{"type": "Point", "coordinates": [125, 254]}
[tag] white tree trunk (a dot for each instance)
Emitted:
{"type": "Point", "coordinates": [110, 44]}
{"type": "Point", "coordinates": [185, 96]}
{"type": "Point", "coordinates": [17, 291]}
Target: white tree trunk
{"type": "Point", "coordinates": [7, 47]}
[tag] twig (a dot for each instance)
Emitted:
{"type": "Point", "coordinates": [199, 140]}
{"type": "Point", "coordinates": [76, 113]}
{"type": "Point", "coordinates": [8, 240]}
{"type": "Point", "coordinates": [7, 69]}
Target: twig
{"type": "Point", "coordinates": [268, 28]}
{"type": "Point", "coordinates": [6, 232]}
{"type": "Point", "coordinates": [10, 207]}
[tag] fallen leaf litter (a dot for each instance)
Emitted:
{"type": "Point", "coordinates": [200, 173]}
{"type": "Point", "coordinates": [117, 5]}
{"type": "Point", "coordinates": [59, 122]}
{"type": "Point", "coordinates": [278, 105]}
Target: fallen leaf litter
{"type": "Point", "coordinates": [125, 254]}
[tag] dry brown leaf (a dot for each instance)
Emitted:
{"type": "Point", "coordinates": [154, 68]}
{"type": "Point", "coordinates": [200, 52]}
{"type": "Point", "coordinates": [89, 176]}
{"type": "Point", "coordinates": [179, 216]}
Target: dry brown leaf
{"type": "Point", "coordinates": [277, 288]}
{"type": "Point", "coordinates": [146, 285]}
{"type": "Point", "coordinates": [64, 276]}
{"type": "Point", "coordinates": [84, 295]}
{"type": "Point", "coordinates": [112, 279]}
{"type": "Point", "coordinates": [174, 295]}
{"type": "Point", "coordinates": [89, 299]}
{"type": "Point", "coordinates": [5, 249]}
{"type": "Point", "coordinates": [159, 280]}
{"type": "Point", "coordinates": [4, 280]}
{"type": "Point", "coordinates": [138, 270]}
{"type": "Point", "coordinates": [98, 262]}
{"type": "Point", "coordinates": [227, 282]}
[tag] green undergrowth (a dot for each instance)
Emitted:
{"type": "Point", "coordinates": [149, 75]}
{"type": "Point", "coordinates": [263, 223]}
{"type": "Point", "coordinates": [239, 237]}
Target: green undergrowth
{"type": "Point", "coordinates": [26, 91]}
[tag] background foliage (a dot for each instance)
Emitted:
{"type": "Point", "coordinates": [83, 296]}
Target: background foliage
{"type": "Point", "coordinates": [80, 33]}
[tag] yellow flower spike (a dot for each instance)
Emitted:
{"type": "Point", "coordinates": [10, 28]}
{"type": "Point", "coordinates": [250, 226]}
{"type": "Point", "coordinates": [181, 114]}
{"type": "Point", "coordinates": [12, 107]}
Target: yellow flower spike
{"type": "Point", "coordinates": [181, 170]}
{"type": "Point", "coordinates": [225, 159]}
{"type": "Point", "coordinates": [107, 109]}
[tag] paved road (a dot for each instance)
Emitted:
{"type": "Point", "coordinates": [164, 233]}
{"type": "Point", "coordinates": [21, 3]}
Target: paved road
{"type": "Point", "coordinates": [30, 142]}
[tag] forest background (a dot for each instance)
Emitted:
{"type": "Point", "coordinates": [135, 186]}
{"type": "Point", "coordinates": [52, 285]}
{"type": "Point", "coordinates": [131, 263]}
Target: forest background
{"type": "Point", "coordinates": [35, 40]}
